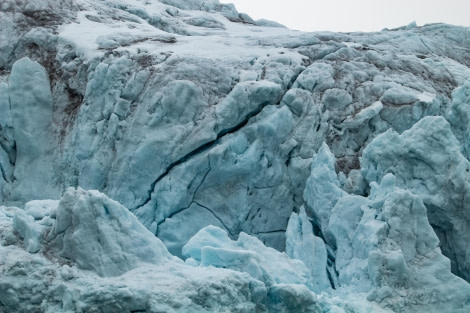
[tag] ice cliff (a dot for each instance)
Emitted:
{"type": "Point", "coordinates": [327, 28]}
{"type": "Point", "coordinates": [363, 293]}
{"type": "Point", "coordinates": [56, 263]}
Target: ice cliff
{"type": "Point", "coordinates": [178, 156]}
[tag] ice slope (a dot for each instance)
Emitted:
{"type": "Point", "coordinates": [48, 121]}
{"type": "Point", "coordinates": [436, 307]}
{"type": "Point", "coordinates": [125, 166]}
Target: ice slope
{"type": "Point", "coordinates": [92, 255]}
{"type": "Point", "coordinates": [191, 115]}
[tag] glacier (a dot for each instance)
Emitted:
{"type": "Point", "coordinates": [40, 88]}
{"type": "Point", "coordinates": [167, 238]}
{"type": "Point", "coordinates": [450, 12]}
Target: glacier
{"type": "Point", "coordinates": [179, 156]}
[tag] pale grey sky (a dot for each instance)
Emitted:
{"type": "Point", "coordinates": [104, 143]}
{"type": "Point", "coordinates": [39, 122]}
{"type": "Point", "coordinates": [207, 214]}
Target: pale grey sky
{"type": "Point", "coordinates": [358, 15]}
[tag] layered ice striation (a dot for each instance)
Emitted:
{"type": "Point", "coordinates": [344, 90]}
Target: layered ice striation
{"type": "Point", "coordinates": [306, 172]}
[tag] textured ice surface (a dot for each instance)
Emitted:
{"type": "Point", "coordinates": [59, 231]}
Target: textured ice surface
{"type": "Point", "coordinates": [459, 117]}
{"type": "Point", "coordinates": [31, 117]}
{"type": "Point", "coordinates": [92, 235]}
{"type": "Point", "coordinates": [211, 246]}
{"type": "Point", "coordinates": [106, 261]}
{"type": "Point", "coordinates": [386, 246]}
{"type": "Point", "coordinates": [322, 189]}
{"type": "Point", "coordinates": [189, 115]}
{"type": "Point", "coordinates": [427, 161]}
{"type": "Point", "coordinates": [303, 245]}
{"type": "Point", "coordinates": [99, 234]}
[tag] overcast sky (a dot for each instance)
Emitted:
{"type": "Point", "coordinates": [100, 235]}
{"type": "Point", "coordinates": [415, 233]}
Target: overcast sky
{"type": "Point", "coordinates": [358, 15]}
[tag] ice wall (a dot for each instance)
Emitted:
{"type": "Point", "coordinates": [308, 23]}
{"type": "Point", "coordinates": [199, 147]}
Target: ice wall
{"type": "Point", "coordinates": [191, 115]}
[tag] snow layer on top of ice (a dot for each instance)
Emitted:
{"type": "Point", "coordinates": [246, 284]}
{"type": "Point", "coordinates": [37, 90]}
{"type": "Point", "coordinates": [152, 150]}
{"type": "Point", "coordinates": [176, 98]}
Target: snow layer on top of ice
{"type": "Point", "coordinates": [141, 25]}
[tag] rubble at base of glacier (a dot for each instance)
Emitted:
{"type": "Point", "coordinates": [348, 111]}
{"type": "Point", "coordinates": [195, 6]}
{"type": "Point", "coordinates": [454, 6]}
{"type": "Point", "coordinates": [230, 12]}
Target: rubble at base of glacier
{"type": "Point", "coordinates": [178, 156]}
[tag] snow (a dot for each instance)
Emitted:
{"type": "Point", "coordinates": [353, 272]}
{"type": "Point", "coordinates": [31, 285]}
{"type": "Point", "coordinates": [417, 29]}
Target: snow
{"type": "Point", "coordinates": [92, 34]}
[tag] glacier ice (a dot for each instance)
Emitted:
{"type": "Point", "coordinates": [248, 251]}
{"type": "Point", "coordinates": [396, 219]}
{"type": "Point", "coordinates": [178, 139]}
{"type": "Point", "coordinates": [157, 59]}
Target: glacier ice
{"type": "Point", "coordinates": [303, 245]}
{"type": "Point", "coordinates": [211, 246]}
{"type": "Point", "coordinates": [389, 248]}
{"type": "Point", "coordinates": [91, 236]}
{"type": "Point", "coordinates": [30, 231]}
{"type": "Point", "coordinates": [138, 134]}
{"type": "Point", "coordinates": [427, 161]}
{"type": "Point", "coordinates": [30, 100]}
{"type": "Point", "coordinates": [99, 234]}
{"type": "Point", "coordinates": [117, 265]}
{"type": "Point", "coordinates": [322, 189]}
{"type": "Point", "coordinates": [459, 118]}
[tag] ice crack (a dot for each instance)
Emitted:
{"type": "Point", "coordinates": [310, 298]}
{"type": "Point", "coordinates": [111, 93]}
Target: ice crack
{"type": "Point", "coordinates": [203, 148]}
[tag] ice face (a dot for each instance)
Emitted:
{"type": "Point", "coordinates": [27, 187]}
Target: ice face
{"type": "Point", "coordinates": [191, 116]}
{"type": "Point", "coordinates": [31, 120]}
{"type": "Point", "coordinates": [70, 244]}
{"type": "Point", "coordinates": [99, 234]}
{"type": "Point", "coordinates": [87, 252]}
{"type": "Point", "coordinates": [459, 118]}
{"type": "Point", "coordinates": [408, 254]}
{"type": "Point", "coordinates": [420, 158]}
{"type": "Point", "coordinates": [211, 246]}
{"type": "Point", "coordinates": [322, 189]}
{"type": "Point", "coordinates": [303, 245]}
